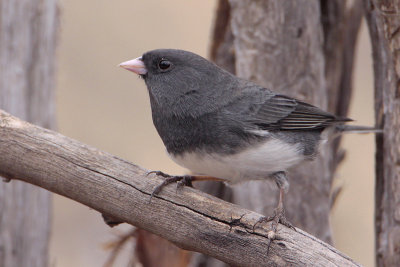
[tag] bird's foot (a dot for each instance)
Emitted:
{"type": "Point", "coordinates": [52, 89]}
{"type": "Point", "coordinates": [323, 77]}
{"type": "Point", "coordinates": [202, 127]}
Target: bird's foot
{"type": "Point", "coordinates": [181, 181]}
{"type": "Point", "coordinates": [278, 217]}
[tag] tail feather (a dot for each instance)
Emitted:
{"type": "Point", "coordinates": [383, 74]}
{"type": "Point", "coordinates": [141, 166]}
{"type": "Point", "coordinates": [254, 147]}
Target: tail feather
{"type": "Point", "coordinates": [357, 129]}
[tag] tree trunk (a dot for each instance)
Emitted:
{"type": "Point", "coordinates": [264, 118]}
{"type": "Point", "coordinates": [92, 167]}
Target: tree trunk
{"type": "Point", "coordinates": [27, 47]}
{"type": "Point", "coordinates": [384, 26]}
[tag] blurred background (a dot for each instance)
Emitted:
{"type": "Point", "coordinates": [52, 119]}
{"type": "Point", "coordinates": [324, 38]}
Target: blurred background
{"type": "Point", "coordinates": [107, 107]}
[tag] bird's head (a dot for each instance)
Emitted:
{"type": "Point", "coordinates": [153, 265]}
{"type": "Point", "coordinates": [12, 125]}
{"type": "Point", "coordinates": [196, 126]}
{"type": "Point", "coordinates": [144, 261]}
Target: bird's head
{"type": "Point", "coordinates": [181, 81]}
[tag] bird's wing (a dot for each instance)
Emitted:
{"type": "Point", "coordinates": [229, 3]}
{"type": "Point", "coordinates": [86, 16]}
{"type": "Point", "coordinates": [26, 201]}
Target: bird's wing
{"type": "Point", "coordinates": [279, 112]}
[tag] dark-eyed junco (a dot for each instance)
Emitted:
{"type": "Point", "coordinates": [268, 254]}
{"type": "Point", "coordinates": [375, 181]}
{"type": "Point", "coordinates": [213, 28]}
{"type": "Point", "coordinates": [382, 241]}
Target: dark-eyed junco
{"type": "Point", "coordinates": [225, 128]}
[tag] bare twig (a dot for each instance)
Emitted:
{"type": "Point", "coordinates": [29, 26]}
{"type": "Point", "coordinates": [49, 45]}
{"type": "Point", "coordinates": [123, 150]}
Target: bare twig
{"type": "Point", "coordinates": [117, 245]}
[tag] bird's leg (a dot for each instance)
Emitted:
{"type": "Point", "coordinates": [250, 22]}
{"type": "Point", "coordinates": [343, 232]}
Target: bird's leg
{"type": "Point", "coordinates": [279, 212]}
{"type": "Point", "coordinates": [181, 180]}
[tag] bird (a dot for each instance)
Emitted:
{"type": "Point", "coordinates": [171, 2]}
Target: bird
{"type": "Point", "coordinates": [225, 128]}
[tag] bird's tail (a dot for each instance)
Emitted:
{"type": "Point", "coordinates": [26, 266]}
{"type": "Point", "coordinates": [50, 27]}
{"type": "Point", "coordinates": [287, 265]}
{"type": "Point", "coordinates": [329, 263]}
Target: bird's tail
{"type": "Point", "coordinates": [357, 129]}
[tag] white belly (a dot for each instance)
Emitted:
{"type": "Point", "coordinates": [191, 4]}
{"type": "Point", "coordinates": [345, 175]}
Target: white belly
{"type": "Point", "coordinates": [251, 164]}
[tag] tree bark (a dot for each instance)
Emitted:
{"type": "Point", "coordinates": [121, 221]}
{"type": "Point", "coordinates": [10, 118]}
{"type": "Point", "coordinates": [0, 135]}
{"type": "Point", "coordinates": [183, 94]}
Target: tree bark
{"type": "Point", "coordinates": [303, 49]}
{"type": "Point", "coordinates": [384, 26]}
{"type": "Point", "coordinates": [27, 65]}
{"type": "Point", "coordinates": [189, 218]}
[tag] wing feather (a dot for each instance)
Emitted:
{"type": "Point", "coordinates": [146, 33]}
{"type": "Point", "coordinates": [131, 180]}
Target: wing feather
{"type": "Point", "coordinates": [279, 112]}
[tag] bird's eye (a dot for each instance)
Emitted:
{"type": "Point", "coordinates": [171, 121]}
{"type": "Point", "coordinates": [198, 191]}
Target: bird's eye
{"type": "Point", "coordinates": [164, 64]}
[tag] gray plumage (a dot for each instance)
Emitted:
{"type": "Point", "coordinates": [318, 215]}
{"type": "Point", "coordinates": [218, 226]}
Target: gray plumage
{"type": "Point", "coordinates": [226, 128]}
{"type": "Point", "coordinates": [198, 106]}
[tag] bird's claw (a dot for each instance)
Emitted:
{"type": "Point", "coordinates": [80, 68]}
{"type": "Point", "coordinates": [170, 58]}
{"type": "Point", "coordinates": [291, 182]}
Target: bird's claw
{"type": "Point", "coordinates": [278, 217]}
{"type": "Point", "coordinates": [181, 181]}
{"type": "Point", "coordinates": [158, 173]}
{"type": "Point", "coordinates": [185, 180]}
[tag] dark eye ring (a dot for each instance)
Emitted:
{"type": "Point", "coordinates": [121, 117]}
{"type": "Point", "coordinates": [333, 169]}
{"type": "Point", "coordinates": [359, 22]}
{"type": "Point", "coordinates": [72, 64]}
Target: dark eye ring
{"type": "Point", "coordinates": [164, 64]}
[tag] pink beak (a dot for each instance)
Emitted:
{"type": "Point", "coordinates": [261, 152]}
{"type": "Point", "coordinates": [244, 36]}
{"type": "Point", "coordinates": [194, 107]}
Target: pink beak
{"type": "Point", "coordinates": [135, 65]}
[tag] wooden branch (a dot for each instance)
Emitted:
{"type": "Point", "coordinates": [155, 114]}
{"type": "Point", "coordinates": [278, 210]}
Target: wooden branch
{"type": "Point", "coordinates": [187, 217]}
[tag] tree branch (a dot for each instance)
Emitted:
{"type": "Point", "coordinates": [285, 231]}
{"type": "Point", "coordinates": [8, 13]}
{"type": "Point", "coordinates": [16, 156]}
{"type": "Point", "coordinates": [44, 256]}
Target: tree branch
{"type": "Point", "coordinates": [189, 218]}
